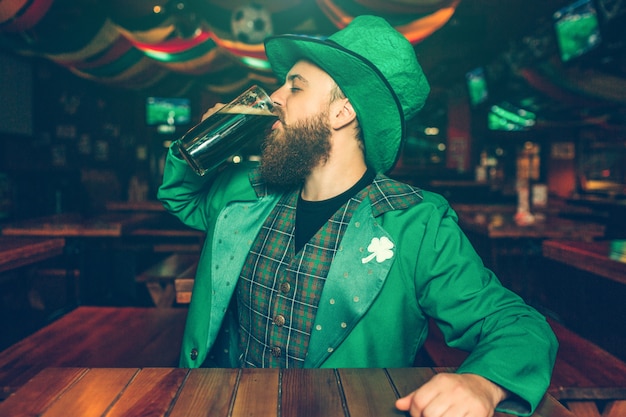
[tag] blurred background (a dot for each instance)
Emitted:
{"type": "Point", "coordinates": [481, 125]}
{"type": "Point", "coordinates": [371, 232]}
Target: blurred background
{"type": "Point", "coordinates": [85, 84]}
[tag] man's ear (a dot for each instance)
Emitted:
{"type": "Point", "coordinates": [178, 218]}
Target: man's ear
{"type": "Point", "coordinates": [342, 113]}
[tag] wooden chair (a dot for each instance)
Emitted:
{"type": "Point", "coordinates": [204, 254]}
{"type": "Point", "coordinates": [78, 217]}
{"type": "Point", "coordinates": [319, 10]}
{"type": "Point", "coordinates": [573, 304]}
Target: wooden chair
{"type": "Point", "coordinates": [184, 284]}
{"type": "Point", "coordinates": [159, 278]}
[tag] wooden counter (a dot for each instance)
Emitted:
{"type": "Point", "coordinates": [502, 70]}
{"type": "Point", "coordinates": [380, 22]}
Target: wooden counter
{"type": "Point", "coordinates": [177, 392]}
{"type": "Point", "coordinates": [502, 225]}
{"type": "Point", "coordinates": [612, 208]}
{"type": "Point", "coordinates": [511, 250]}
{"type": "Point", "coordinates": [16, 251]}
{"type": "Point", "coordinates": [592, 257]}
{"type": "Point", "coordinates": [77, 225]}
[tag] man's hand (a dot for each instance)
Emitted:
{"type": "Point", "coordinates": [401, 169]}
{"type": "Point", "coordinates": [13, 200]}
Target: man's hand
{"type": "Point", "coordinates": [453, 395]}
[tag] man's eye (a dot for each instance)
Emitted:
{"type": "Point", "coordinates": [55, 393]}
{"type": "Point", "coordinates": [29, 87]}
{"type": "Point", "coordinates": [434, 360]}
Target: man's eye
{"type": "Point", "coordinates": [294, 89]}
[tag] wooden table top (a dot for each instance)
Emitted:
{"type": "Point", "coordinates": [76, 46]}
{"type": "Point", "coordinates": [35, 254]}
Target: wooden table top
{"type": "Point", "coordinates": [498, 225]}
{"type": "Point", "coordinates": [178, 392]}
{"type": "Point", "coordinates": [110, 224]}
{"type": "Point", "coordinates": [593, 257]}
{"type": "Point", "coordinates": [96, 337]}
{"type": "Point", "coordinates": [19, 251]}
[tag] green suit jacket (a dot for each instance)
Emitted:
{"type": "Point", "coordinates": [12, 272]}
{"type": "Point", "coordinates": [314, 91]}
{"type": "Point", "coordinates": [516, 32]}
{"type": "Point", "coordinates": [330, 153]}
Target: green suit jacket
{"type": "Point", "coordinates": [374, 307]}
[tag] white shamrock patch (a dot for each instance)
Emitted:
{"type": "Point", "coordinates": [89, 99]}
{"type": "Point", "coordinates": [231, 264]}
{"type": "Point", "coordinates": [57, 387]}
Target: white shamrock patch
{"type": "Point", "coordinates": [381, 249]}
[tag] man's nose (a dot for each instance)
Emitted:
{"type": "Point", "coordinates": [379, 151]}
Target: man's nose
{"type": "Point", "coordinates": [276, 98]}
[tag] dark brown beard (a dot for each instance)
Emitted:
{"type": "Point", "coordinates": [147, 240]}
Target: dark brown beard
{"type": "Point", "coordinates": [290, 155]}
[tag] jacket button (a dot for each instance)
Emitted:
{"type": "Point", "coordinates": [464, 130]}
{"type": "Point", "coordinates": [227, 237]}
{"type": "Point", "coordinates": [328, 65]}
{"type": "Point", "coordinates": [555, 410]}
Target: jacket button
{"type": "Point", "coordinates": [279, 320]}
{"type": "Point", "coordinates": [275, 351]}
{"type": "Point", "coordinates": [285, 287]}
{"type": "Point", "coordinates": [194, 354]}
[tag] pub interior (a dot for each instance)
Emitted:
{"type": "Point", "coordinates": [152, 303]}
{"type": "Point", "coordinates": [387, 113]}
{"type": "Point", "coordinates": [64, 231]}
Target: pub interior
{"type": "Point", "coordinates": [524, 133]}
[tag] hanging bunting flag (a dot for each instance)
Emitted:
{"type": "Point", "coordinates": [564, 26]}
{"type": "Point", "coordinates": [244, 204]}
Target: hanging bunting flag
{"type": "Point", "coordinates": [142, 43]}
{"type": "Point", "coordinates": [195, 55]}
{"type": "Point", "coordinates": [132, 70]}
{"type": "Point", "coordinates": [341, 13]}
{"type": "Point", "coordinates": [422, 28]}
{"type": "Point", "coordinates": [110, 58]}
{"type": "Point", "coordinates": [68, 26]}
{"type": "Point", "coordinates": [150, 36]}
{"type": "Point", "coordinates": [101, 41]}
{"type": "Point", "coordinates": [415, 27]}
{"type": "Point", "coordinates": [172, 35]}
{"type": "Point", "coordinates": [20, 15]}
{"type": "Point", "coordinates": [9, 10]}
{"type": "Point", "coordinates": [405, 6]}
{"type": "Point", "coordinates": [79, 36]}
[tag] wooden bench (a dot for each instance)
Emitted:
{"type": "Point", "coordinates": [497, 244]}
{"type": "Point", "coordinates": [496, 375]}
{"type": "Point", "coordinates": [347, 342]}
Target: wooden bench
{"type": "Point", "coordinates": [171, 239]}
{"type": "Point", "coordinates": [159, 278]}
{"type": "Point", "coordinates": [168, 234]}
{"type": "Point", "coordinates": [588, 380]}
{"type": "Point", "coordinates": [184, 284]}
{"type": "Point", "coordinates": [96, 337]}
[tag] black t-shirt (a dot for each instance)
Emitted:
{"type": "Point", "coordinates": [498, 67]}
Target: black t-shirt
{"type": "Point", "coordinates": [311, 215]}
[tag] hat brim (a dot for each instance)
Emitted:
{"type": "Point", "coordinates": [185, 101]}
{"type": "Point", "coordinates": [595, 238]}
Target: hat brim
{"type": "Point", "coordinates": [378, 109]}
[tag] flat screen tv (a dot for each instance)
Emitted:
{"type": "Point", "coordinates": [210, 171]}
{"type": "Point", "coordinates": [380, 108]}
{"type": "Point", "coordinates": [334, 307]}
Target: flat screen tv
{"type": "Point", "coordinates": [168, 111]}
{"type": "Point", "coordinates": [509, 117]}
{"type": "Point", "coordinates": [577, 29]}
{"type": "Point", "coordinates": [477, 86]}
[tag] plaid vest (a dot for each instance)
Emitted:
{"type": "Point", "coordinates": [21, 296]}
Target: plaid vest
{"type": "Point", "coordinates": [278, 291]}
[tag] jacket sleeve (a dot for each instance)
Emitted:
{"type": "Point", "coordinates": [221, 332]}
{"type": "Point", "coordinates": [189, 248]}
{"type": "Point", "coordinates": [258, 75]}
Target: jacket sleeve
{"type": "Point", "coordinates": [510, 343]}
{"type": "Point", "coordinates": [196, 199]}
{"type": "Point", "coordinates": [183, 192]}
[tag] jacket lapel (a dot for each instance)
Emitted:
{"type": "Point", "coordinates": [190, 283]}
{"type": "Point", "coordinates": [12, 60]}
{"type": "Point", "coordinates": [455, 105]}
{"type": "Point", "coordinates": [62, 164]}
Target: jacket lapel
{"type": "Point", "coordinates": [240, 222]}
{"type": "Point", "coordinates": [357, 275]}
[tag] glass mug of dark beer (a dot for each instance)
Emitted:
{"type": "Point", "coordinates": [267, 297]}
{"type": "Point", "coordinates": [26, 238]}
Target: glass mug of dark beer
{"type": "Point", "coordinates": [209, 143]}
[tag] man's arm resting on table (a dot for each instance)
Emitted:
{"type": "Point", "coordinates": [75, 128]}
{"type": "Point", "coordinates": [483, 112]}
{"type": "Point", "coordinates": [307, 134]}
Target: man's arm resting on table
{"type": "Point", "coordinates": [448, 394]}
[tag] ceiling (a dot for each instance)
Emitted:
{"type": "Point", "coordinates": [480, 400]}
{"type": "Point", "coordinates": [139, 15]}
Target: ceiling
{"type": "Point", "coordinates": [517, 46]}
{"type": "Point", "coordinates": [84, 35]}
{"type": "Point", "coordinates": [513, 36]}
{"type": "Point", "coordinates": [480, 31]}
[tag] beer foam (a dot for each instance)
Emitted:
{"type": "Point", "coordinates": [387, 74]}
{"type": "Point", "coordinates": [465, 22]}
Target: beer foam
{"type": "Point", "coordinates": [241, 109]}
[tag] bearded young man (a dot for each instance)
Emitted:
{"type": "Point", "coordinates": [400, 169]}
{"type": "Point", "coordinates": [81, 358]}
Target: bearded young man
{"type": "Point", "coordinates": [317, 259]}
